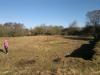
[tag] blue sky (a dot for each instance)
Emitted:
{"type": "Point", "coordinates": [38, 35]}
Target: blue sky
{"type": "Point", "coordinates": [56, 12]}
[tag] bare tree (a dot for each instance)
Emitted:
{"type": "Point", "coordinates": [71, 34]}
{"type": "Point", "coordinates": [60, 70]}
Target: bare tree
{"type": "Point", "coordinates": [73, 28]}
{"type": "Point", "coordinates": [94, 20]}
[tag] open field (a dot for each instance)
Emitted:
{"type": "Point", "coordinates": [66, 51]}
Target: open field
{"type": "Point", "coordinates": [44, 55]}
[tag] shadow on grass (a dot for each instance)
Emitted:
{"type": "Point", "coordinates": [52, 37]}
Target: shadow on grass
{"type": "Point", "coordinates": [2, 51]}
{"type": "Point", "coordinates": [57, 60]}
{"type": "Point", "coordinates": [78, 38]}
{"type": "Point", "coordinates": [25, 62]}
{"type": "Point", "coordinates": [85, 51]}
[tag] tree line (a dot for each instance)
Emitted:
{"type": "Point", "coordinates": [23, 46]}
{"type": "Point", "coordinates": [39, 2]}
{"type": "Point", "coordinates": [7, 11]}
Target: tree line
{"type": "Point", "coordinates": [12, 29]}
{"type": "Point", "coordinates": [18, 29]}
{"type": "Point", "coordinates": [92, 28]}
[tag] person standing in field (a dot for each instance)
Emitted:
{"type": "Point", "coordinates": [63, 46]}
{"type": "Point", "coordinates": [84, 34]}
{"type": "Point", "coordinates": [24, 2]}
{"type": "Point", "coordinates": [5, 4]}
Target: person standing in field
{"type": "Point", "coordinates": [5, 44]}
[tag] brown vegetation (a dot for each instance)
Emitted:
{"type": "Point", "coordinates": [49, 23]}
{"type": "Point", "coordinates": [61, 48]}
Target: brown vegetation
{"type": "Point", "coordinates": [44, 55]}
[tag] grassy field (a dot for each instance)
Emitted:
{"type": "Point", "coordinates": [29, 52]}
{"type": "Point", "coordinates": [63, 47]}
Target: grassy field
{"type": "Point", "coordinates": [44, 55]}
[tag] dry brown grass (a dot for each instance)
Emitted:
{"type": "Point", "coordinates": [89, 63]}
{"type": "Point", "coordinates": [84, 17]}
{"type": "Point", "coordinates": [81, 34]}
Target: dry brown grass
{"type": "Point", "coordinates": [36, 55]}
